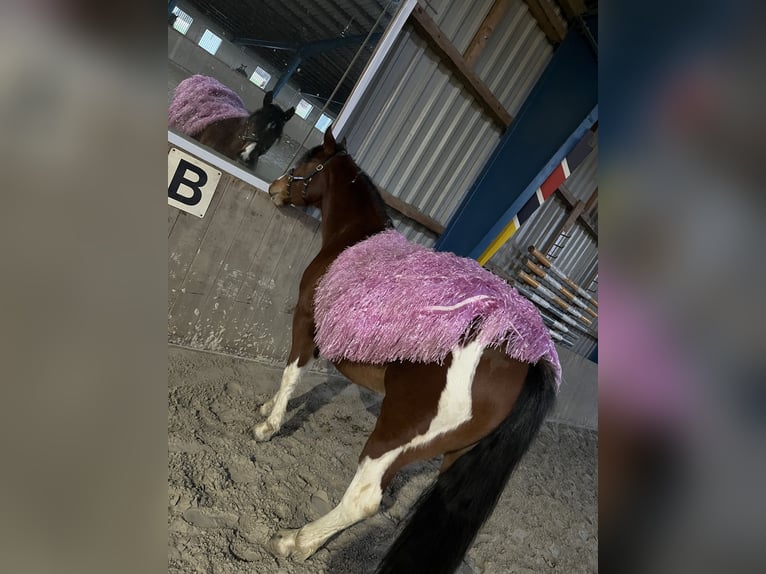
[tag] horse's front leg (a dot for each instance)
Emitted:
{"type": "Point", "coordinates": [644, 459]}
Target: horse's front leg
{"type": "Point", "coordinates": [301, 356]}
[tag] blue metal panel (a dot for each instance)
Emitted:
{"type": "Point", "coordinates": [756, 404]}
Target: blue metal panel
{"type": "Point", "coordinates": [563, 98]}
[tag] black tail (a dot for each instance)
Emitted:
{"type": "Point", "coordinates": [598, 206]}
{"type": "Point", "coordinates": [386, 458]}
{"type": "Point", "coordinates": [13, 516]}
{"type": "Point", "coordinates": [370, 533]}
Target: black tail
{"type": "Point", "coordinates": [449, 514]}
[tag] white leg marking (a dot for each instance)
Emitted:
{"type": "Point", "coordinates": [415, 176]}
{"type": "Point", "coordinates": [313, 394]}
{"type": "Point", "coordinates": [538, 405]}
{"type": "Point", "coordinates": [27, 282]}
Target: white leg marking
{"type": "Point", "coordinates": [361, 499]}
{"type": "Point", "coordinates": [278, 404]}
{"type": "Point", "coordinates": [363, 495]}
{"type": "Point", "coordinates": [245, 154]}
{"type": "Point", "coordinates": [455, 401]}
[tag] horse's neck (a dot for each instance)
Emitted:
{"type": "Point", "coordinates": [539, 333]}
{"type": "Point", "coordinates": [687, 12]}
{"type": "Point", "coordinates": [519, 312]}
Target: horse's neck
{"type": "Point", "coordinates": [350, 213]}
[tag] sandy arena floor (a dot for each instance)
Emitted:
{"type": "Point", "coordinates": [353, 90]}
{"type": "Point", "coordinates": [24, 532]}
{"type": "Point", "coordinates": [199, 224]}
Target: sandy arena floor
{"type": "Point", "coordinates": [228, 493]}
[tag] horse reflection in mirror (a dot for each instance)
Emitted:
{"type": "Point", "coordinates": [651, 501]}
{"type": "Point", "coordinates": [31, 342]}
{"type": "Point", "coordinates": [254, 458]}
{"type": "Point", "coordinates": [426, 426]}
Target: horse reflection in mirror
{"type": "Point", "coordinates": [214, 115]}
{"type": "Point", "coordinates": [465, 365]}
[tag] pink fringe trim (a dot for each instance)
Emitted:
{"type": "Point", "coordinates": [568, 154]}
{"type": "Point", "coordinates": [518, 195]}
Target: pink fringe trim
{"type": "Point", "coordinates": [386, 299]}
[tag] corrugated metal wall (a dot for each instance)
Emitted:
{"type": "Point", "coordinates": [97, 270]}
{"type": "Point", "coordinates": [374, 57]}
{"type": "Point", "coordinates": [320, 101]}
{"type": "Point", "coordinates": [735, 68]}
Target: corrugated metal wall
{"type": "Point", "coordinates": [575, 254]}
{"type": "Point", "coordinates": [418, 133]}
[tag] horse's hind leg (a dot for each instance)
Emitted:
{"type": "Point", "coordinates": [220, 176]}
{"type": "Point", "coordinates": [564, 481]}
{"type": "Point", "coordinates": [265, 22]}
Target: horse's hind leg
{"type": "Point", "coordinates": [301, 356]}
{"type": "Point", "coordinates": [361, 499]}
{"type": "Point", "coordinates": [409, 428]}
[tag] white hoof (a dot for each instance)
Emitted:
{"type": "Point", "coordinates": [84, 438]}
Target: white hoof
{"type": "Point", "coordinates": [283, 543]}
{"type": "Point", "coordinates": [264, 431]}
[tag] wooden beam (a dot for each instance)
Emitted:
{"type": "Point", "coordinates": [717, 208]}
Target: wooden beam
{"type": "Point", "coordinates": [486, 29]}
{"type": "Point", "coordinates": [547, 19]}
{"type": "Point", "coordinates": [450, 56]}
{"type": "Point", "coordinates": [590, 203]}
{"type": "Point", "coordinates": [571, 204]}
{"type": "Point", "coordinates": [411, 212]}
{"type": "Point", "coordinates": [573, 216]}
{"type": "Point", "coordinates": [566, 196]}
{"type": "Point", "coordinates": [571, 8]}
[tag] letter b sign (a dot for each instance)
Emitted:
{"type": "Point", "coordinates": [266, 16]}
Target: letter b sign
{"type": "Point", "coordinates": [191, 183]}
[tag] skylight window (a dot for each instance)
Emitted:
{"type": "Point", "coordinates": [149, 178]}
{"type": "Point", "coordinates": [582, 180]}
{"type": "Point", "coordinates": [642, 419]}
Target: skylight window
{"type": "Point", "coordinates": [303, 109]}
{"type": "Point", "coordinates": [210, 42]}
{"type": "Point", "coordinates": [182, 22]}
{"type": "Point", "coordinates": [323, 122]}
{"type": "Point", "coordinates": [260, 77]}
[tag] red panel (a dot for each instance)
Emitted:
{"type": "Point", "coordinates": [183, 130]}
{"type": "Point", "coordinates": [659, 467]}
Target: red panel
{"type": "Point", "coordinates": [553, 182]}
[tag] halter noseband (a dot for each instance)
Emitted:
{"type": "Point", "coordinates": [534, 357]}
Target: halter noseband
{"type": "Point", "coordinates": [306, 179]}
{"type": "Point", "coordinates": [248, 137]}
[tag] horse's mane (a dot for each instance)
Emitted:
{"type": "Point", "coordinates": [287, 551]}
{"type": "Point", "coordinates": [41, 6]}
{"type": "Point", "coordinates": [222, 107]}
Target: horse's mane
{"type": "Point", "coordinates": [377, 198]}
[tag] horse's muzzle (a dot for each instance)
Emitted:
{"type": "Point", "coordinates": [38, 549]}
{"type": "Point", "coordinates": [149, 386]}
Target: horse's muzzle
{"type": "Point", "coordinates": [279, 192]}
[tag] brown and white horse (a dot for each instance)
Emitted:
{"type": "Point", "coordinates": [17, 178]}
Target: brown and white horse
{"type": "Point", "coordinates": [479, 407]}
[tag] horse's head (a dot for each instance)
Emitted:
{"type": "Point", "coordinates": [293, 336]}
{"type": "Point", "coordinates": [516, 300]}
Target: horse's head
{"type": "Point", "coordinates": [264, 126]}
{"type": "Point", "coordinates": [305, 183]}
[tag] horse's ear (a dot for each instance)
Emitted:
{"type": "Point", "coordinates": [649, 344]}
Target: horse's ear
{"type": "Point", "coordinates": [329, 141]}
{"type": "Point", "coordinates": [268, 98]}
{"type": "Point", "coordinates": [343, 143]}
{"type": "Point", "coordinates": [289, 113]}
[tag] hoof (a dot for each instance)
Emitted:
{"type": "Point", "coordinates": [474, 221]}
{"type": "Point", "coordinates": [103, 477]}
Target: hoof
{"type": "Point", "coordinates": [263, 431]}
{"type": "Point", "coordinates": [283, 543]}
{"type": "Point", "coordinates": [302, 555]}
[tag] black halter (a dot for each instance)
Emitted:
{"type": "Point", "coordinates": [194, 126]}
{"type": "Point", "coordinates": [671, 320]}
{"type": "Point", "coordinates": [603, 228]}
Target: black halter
{"type": "Point", "coordinates": [248, 132]}
{"type": "Point", "coordinates": [306, 179]}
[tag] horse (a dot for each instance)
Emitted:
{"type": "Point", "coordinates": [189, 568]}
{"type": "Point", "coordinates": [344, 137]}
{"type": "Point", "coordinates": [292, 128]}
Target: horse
{"type": "Point", "coordinates": [216, 116]}
{"type": "Point", "coordinates": [466, 372]}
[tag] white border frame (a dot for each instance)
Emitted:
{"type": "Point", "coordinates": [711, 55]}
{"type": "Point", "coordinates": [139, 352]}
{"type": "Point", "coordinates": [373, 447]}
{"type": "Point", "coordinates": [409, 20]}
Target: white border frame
{"type": "Point", "coordinates": [224, 164]}
{"type": "Point", "coordinates": [381, 51]}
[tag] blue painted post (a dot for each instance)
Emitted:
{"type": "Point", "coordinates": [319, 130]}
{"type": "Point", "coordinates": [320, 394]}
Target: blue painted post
{"type": "Point", "coordinates": [563, 97]}
{"type": "Point", "coordinates": [285, 77]}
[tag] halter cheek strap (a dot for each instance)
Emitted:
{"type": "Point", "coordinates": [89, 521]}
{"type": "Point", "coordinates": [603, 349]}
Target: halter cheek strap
{"type": "Point", "coordinates": [306, 179]}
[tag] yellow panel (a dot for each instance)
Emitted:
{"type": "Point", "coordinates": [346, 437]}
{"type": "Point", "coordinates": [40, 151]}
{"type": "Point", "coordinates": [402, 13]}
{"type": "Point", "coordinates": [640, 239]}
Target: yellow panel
{"type": "Point", "coordinates": [499, 241]}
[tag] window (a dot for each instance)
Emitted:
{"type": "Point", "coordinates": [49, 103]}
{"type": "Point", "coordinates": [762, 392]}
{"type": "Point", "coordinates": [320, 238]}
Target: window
{"type": "Point", "coordinates": [182, 21]}
{"type": "Point", "coordinates": [303, 109]}
{"type": "Point", "coordinates": [210, 42]}
{"type": "Point", "coordinates": [323, 122]}
{"type": "Point", "coordinates": [260, 77]}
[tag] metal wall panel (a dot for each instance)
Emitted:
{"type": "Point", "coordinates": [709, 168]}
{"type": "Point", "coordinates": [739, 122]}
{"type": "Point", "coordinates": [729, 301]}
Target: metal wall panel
{"type": "Point", "coordinates": [515, 56]}
{"type": "Point", "coordinates": [536, 231]}
{"type": "Point", "coordinates": [418, 133]}
{"type": "Point", "coordinates": [575, 254]}
{"type": "Point", "coordinates": [585, 178]}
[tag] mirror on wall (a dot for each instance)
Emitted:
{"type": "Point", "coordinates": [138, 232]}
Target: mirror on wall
{"type": "Point", "coordinates": [296, 61]}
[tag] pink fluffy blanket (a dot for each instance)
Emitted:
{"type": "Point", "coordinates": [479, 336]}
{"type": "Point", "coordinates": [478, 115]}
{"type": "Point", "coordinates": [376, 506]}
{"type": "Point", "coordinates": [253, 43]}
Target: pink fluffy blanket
{"type": "Point", "coordinates": [200, 101]}
{"type": "Point", "coordinates": [386, 299]}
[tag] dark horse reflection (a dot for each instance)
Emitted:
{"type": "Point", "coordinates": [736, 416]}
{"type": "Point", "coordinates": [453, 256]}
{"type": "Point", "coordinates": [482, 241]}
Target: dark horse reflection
{"type": "Point", "coordinates": [214, 115]}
